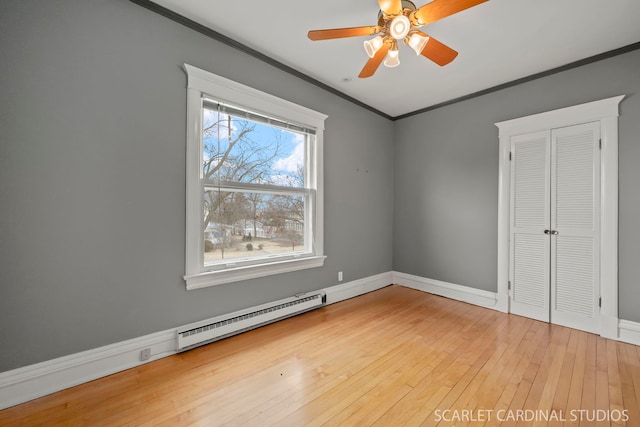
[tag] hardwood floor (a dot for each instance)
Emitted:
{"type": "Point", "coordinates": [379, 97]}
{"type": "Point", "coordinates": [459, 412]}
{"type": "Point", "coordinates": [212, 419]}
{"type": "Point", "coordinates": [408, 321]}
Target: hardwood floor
{"type": "Point", "coordinates": [393, 357]}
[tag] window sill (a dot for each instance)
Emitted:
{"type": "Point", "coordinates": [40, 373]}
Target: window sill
{"type": "Point", "coordinates": [213, 278]}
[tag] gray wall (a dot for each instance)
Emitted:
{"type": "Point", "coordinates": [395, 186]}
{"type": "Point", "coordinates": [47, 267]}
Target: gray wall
{"type": "Point", "coordinates": [446, 176]}
{"type": "Point", "coordinates": [92, 152]}
{"type": "Point", "coordinates": [92, 177]}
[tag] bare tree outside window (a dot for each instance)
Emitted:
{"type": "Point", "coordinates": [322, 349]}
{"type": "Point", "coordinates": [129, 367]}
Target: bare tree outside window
{"type": "Point", "coordinates": [254, 193]}
{"type": "Point", "coordinates": [254, 199]}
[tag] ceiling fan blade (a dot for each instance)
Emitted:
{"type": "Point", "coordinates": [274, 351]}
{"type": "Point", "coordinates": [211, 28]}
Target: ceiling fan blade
{"type": "Point", "coordinates": [372, 64]}
{"type": "Point", "coordinates": [390, 7]}
{"type": "Point", "coordinates": [337, 33]}
{"type": "Point", "coordinates": [438, 52]}
{"type": "Point", "coordinates": [438, 9]}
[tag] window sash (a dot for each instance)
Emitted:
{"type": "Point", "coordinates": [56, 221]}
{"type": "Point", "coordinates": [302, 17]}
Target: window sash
{"type": "Point", "coordinates": [249, 187]}
{"type": "Point", "coordinates": [214, 184]}
{"type": "Point", "coordinates": [307, 247]}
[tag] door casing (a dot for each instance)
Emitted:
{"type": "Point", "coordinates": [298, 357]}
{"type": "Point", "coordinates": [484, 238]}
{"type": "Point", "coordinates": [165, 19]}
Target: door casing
{"type": "Point", "coordinates": [606, 111]}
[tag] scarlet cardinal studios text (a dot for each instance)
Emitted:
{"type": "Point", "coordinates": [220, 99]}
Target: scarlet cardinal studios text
{"type": "Point", "coordinates": [471, 415]}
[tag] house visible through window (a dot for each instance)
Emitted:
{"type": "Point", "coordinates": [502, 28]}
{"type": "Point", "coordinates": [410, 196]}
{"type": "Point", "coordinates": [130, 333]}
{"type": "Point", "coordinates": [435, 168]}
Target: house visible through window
{"type": "Point", "coordinates": [255, 199]}
{"type": "Point", "coordinates": [254, 185]}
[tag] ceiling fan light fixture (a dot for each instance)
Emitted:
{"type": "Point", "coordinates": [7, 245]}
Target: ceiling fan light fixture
{"type": "Point", "coordinates": [392, 59]}
{"type": "Point", "coordinates": [399, 27]}
{"type": "Point", "coordinates": [400, 20]}
{"type": "Point", "coordinates": [373, 45]}
{"type": "Point", "coordinates": [416, 41]}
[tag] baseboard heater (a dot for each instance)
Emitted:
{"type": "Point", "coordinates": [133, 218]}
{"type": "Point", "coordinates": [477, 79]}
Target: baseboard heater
{"type": "Point", "coordinates": [217, 328]}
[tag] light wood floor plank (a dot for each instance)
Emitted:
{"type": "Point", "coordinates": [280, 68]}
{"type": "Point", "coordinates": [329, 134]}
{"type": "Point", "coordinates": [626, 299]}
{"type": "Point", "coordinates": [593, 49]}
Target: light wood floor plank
{"type": "Point", "coordinates": [447, 379]}
{"type": "Point", "coordinates": [615, 385]}
{"type": "Point", "coordinates": [438, 329]}
{"type": "Point", "coordinates": [602, 380]}
{"type": "Point", "coordinates": [588, 401]}
{"type": "Point", "coordinates": [628, 365]}
{"type": "Point", "coordinates": [548, 385]}
{"type": "Point", "coordinates": [477, 393]}
{"type": "Point", "coordinates": [561, 396]}
{"type": "Point", "coordinates": [394, 357]}
{"type": "Point", "coordinates": [535, 338]}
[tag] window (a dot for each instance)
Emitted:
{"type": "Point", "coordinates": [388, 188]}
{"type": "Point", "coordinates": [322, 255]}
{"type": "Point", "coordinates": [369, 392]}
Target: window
{"type": "Point", "coordinates": [254, 183]}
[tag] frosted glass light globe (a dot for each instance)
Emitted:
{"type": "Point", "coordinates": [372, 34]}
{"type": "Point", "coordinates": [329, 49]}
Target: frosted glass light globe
{"type": "Point", "coordinates": [399, 27]}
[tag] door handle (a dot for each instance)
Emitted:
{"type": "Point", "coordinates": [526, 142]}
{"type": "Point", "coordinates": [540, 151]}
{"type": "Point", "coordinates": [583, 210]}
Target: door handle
{"type": "Point", "coordinates": [554, 232]}
{"type": "Point", "coordinates": [547, 231]}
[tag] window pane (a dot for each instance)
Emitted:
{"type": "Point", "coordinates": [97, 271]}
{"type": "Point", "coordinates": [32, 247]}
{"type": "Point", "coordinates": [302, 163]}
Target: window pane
{"type": "Point", "coordinates": [251, 225]}
{"type": "Point", "coordinates": [241, 150]}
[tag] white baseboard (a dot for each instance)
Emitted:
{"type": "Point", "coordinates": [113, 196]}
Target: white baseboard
{"type": "Point", "coordinates": [629, 332]}
{"type": "Point", "coordinates": [450, 290]}
{"type": "Point", "coordinates": [358, 287]}
{"type": "Point", "coordinates": [33, 381]}
{"type": "Point", "coordinates": [612, 328]}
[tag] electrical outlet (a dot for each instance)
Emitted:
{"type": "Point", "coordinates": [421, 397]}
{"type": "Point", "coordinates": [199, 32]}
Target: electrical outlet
{"type": "Point", "coordinates": [339, 276]}
{"type": "Point", "coordinates": [145, 354]}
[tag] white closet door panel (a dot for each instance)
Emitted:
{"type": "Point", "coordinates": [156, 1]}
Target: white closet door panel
{"type": "Point", "coordinates": [530, 207]}
{"type": "Point", "coordinates": [574, 275]}
{"type": "Point", "coordinates": [530, 281]}
{"type": "Point", "coordinates": [574, 284]}
{"type": "Point", "coordinates": [530, 217]}
{"type": "Point", "coordinates": [575, 178]}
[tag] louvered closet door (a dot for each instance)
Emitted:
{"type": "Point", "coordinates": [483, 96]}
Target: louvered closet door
{"type": "Point", "coordinates": [575, 195]}
{"type": "Point", "coordinates": [530, 217]}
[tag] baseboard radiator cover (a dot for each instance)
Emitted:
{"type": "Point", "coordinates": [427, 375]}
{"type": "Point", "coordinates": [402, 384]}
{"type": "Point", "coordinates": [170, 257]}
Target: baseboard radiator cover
{"type": "Point", "coordinates": [217, 328]}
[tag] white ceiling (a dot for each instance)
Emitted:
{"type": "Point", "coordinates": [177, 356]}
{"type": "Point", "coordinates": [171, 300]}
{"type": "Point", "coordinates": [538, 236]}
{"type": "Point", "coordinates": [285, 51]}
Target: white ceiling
{"type": "Point", "coordinates": [498, 42]}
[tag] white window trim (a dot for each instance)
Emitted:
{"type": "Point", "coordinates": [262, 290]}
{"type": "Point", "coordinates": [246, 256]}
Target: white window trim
{"type": "Point", "coordinates": [201, 82]}
{"type": "Point", "coordinates": [605, 111]}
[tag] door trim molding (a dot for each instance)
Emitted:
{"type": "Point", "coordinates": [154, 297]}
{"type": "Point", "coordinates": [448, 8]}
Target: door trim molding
{"type": "Point", "coordinates": [606, 111]}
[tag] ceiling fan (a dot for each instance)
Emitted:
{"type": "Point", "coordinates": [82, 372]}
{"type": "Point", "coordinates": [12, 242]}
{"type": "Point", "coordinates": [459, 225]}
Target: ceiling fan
{"type": "Point", "coordinates": [400, 20]}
